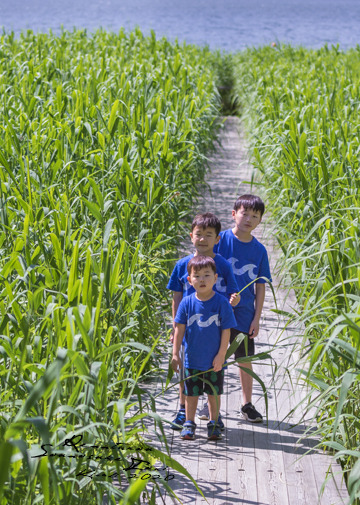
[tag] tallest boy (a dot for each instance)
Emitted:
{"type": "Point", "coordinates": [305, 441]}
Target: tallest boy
{"type": "Point", "coordinates": [249, 260]}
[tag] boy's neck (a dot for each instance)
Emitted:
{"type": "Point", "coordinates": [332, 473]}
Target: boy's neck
{"type": "Point", "coordinates": [211, 254]}
{"type": "Point", "coordinates": [242, 236]}
{"type": "Point", "coordinates": [204, 297]}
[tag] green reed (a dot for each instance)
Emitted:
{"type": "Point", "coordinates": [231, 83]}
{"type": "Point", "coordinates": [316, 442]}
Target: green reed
{"type": "Point", "coordinates": [102, 140]}
{"type": "Point", "coordinates": [302, 112]}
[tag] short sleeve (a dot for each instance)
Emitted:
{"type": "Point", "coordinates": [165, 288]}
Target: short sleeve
{"type": "Point", "coordinates": [264, 269]}
{"type": "Point", "coordinates": [231, 284]}
{"type": "Point", "coordinates": [227, 316]}
{"type": "Point", "coordinates": [175, 283]}
{"type": "Point", "coordinates": [181, 314]}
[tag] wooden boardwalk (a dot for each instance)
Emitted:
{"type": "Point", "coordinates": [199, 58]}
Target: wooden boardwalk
{"type": "Point", "coordinates": [255, 464]}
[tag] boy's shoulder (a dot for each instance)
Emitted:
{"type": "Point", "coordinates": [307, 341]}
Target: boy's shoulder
{"type": "Point", "coordinates": [223, 266]}
{"type": "Point", "coordinates": [228, 235]}
{"type": "Point", "coordinates": [192, 304]}
{"type": "Point", "coordinates": [183, 261]}
{"type": "Point", "coordinates": [258, 244]}
{"type": "Point", "coordinates": [220, 300]}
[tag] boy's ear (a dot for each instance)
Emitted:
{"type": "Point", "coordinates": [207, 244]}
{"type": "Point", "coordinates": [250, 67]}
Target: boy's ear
{"type": "Point", "coordinates": [188, 279]}
{"type": "Point", "coordinates": [233, 212]}
{"type": "Point", "coordinates": [217, 239]}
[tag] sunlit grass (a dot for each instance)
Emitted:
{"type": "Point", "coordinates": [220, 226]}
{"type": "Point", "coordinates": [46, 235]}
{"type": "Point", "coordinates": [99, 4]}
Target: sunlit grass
{"type": "Point", "coordinates": [302, 112]}
{"type": "Point", "coordinates": [102, 141]}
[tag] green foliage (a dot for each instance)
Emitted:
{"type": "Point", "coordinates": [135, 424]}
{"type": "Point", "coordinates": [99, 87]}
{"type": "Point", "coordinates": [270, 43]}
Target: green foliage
{"type": "Point", "coordinates": [302, 113]}
{"type": "Point", "coordinates": [102, 141]}
{"type": "Point", "coordinates": [224, 67]}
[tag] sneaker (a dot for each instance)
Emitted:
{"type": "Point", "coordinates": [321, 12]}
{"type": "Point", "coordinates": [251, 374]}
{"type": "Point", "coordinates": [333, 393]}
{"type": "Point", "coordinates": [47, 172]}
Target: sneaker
{"type": "Point", "coordinates": [204, 412]}
{"type": "Point", "coordinates": [214, 432]}
{"type": "Point", "coordinates": [179, 420]}
{"type": "Point", "coordinates": [251, 414]}
{"type": "Point", "coordinates": [220, 423]}
{"type": "Point", "coordinates": [188, 431]}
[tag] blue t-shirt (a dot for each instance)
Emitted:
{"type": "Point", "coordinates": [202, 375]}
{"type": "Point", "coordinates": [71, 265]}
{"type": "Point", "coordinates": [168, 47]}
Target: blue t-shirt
{"type": "Point", "coordinates": [249, 260]}
{"type": "Point", "coordinates": [204, 324]}
{"type": "Point", "coordinates": [225, 284]}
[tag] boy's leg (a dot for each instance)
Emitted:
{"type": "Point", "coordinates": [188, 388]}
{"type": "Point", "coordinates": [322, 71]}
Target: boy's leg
{"type": "Point", "coordinates": [190, 407]}
{"type": "Point", "coordinates": [214, 407]}
{"type": "Point", "coordinates": [182, 376]}
{"type": "Point", "coordinates": [179, 419]}
{"type": "Point", "coordinates": [181, 393]}
{"type": "Point", "coordinates": [246, 348]}
{"type": "Point", "coordinates": [214, 390]}
{"type": "Point", "coordinates": [246, 382]}
{"type": "Point", "coordinates": [192, 389]}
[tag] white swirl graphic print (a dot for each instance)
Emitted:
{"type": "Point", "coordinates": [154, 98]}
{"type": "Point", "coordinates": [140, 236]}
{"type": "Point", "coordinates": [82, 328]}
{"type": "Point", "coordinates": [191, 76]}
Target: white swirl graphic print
{"type": "Point", "coordinates": [219, 287]}
{"type": "Point", "coordinates": [246, 268]}
{"type": "Point", "coordinates": [196, 318]}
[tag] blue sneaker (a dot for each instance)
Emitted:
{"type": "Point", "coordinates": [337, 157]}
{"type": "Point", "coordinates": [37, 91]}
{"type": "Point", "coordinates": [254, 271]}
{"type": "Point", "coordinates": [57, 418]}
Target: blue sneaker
{"type": "Point", "coordinates": [179, 420]}
{"type": "Point", "coordinates": [188, 431]}
{"type": "Point", "coordinates": [220, 423]}
{"type": "Point", "coordinates": [214, 432]}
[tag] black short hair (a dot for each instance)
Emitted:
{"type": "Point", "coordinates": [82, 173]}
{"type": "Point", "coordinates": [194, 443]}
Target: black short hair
{"type": "Point", "coordinates": [207, 220]}
{"type": "Point", "coordinates": [198, 262]}
{"type": "Point", "coordinates": [252, 202]}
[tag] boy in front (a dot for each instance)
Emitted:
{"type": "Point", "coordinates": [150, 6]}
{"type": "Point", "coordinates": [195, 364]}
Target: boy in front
{"type": "Point", "coordinates": [204, 235]}
{"type": "Point", "coordinates": [249, 261]}
{"type": "Point", "coordinates": [207, 318]}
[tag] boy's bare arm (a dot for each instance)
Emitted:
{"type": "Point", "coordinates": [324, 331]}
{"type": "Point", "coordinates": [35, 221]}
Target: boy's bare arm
{"type": "Point", "coordinates": [178, 338]}
{"type": "Point", "coordinates": [219, 359]}
{"type": "Point", "coordinates": [259, 303]}
{"type": "Point", "coordinates": [177, 297]}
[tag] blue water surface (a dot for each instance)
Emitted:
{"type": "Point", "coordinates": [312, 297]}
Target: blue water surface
{"type": "Point", "coordinates": [225, 24]}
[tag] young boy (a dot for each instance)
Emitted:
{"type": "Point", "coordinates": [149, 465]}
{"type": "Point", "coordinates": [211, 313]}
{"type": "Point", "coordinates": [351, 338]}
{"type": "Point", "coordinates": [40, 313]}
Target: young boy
{"type": "Point", "coordinates": [249, 261]}
{"type": "Point", "coordinates": [204, 235]}
{"type": "Point", "coordinates": [207, 317]}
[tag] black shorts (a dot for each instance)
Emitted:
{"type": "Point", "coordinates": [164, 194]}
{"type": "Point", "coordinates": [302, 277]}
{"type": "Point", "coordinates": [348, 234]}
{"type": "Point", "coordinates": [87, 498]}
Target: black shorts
{"type": "Point", "coordinates": [196, 386]}
{"type": "Point", "coordinates": [247, 346]}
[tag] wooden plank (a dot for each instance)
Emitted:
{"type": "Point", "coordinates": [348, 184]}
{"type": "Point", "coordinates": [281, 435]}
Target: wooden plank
{"type": "Point", "coordinates": [241, 466]}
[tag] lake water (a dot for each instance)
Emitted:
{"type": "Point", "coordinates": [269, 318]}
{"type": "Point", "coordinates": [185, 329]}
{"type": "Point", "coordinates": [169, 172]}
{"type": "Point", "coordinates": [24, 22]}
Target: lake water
{"type": "Point", "coordinates": [225, 24]}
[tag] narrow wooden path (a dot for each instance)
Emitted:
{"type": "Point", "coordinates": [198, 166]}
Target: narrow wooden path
{"type": "Point", "coordinates": [261, 464]}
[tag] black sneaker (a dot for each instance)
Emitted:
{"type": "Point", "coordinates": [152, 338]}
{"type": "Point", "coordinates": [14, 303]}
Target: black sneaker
{"type": "Point", "coordinates": [250, 413]}
{"type": "Point", "coordinates": [204, 413]}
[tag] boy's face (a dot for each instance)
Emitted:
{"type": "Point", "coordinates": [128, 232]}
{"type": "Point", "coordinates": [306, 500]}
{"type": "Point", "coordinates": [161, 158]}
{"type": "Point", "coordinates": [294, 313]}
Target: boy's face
{"type": "Point", "coordinates": [246, 220]}
{"type": "Point", "coordinates": [202, 280]}
{"type": "Point", "coordinates": [204, 240]}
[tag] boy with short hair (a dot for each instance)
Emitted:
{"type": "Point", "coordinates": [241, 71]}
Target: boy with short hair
{"type": "Point", "coordinates": [204, 235]}
{"type": "Point", "coordinates": [207, 318]}
{"type": "Point", "coordinates": [249, 261]}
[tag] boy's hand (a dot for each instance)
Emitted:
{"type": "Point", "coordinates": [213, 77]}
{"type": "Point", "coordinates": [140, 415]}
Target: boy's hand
{"type": "Point", "coordinates": [172, 334]}
{"type": "Point", "coordinates": [234, 299]}
{"type": "Point", "coordinates": [218, 362]}
{"type": "Point", "coordinates": [254, 328]}
{"type": "Point", "coordinates": [176, 363]}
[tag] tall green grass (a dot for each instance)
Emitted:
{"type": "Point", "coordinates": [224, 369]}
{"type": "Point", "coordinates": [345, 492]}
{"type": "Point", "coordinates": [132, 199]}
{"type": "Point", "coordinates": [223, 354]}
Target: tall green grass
{"type": "Point", "coordinates": [102, 140]}
{"type": "Point", "coordinates": [302, 112]}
